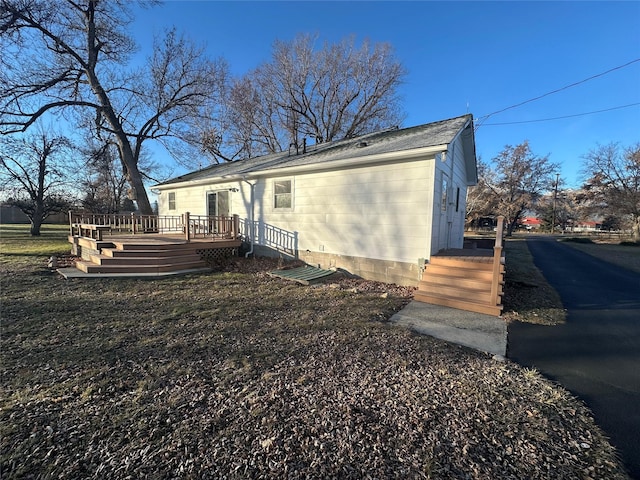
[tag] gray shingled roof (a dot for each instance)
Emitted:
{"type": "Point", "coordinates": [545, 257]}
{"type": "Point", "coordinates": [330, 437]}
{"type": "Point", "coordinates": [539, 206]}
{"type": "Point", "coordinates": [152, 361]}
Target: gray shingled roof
{"type": "Point", "coordinates": [386, 141]}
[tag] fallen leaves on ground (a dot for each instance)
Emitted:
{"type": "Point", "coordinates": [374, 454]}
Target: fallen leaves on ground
{"type": "Point", "coordinates": [239, 375]}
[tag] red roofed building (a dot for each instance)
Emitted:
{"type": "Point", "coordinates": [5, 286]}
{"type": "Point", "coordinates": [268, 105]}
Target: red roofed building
{"type": "Point", "coordinates": [531, 223]}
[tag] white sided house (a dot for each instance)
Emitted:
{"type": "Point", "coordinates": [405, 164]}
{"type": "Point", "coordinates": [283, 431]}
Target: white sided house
{"type": "Point", "coordinates": [378, 206]}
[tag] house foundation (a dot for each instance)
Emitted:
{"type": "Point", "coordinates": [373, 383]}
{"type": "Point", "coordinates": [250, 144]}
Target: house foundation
{"type": "Point", "coordinates": [399, 273]}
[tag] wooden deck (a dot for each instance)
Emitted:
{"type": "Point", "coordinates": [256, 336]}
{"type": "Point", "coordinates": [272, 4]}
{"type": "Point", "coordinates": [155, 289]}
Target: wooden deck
{"type": "Point", "coordinates": [149, 254]}
{"type": "Point", "coordinates": [470, 254]}
{"type": "Point", "coordinates": [159, 239]}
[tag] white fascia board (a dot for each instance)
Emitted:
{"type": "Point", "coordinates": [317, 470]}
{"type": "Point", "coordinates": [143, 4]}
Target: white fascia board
{"type": "Point", "coordinates": [390, 157]}
{"type": "Point", "coordinates": [202, 181]}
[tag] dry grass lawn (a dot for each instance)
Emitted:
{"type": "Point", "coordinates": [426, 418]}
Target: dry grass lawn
{"type": "Point", "coordinates": [626, 256]}
{"type": "Point", "coordinates": [528, 297]}
{"type": "Point", "coordinates": [239, 375]}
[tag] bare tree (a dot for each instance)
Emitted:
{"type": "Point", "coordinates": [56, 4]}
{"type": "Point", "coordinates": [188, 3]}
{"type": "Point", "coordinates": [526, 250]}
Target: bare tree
{"type": "Point", "coordinates": [72, 58]}
{"type": "Point", "coordinates": [520, 178]}
{"type": "Point", "coordinates": [481, 201]}
{"type": "Point", "coordinates": [560, 207]}
{"type": "Point", "coordinates": [613, 182]}
{"type": "Point", "coordinates": [335, 92]}
{"type": "Point", "coordinates": [35, 175]}
{"type": "Point", "coordinates": [245, 126]}
{"type": "Point", "coordinates": [105, 184]}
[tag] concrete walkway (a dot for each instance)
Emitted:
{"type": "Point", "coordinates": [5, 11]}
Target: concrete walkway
{"type": "Point", "coordinates": [485, 333]}
{"type": "Point", "coordinates": [72, 272]}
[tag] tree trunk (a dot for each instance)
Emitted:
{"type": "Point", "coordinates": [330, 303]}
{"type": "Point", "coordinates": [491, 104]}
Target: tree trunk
{"type": "Point", "coordinates": [512, 221]}
{"type": "Point", "coordinates": [139, 194]}
{"type": "Point", "coordinates": [137, 186]}
{"type": "Point", "coordinates": [129, 159]}
{"type": "Point", "coordinates": [36, 221]}
{"type": "Point", "coordinates": [130, 162]}
{"type": "Point", "coordinates": [35, 229]}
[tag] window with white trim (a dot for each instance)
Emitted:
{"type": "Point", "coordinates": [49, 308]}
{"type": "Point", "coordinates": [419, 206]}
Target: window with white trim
{"type": "Point", "coordinates": [283, 194]}
{"type": "Point", "coordinates": [172, 200]}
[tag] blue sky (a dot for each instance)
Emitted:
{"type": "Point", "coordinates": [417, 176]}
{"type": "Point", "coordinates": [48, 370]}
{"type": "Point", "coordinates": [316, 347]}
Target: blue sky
{"type": "Point", "coordinates": [477, 57]}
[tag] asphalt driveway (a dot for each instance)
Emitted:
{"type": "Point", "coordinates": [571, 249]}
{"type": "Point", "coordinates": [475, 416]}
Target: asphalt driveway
{"type": "Point", "coordinates": [596, 354]}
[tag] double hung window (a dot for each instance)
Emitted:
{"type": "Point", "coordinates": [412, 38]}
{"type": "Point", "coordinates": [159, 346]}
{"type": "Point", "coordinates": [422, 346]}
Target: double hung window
{"type": "Point", "coordinates": [282, 194]}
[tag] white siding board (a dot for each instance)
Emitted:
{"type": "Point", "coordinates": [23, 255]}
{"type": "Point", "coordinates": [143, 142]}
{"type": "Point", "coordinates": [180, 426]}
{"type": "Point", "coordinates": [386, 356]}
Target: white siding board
{"type": "Point", "coordinates": [380, 212]}
{"type": "Point", "coordinates": [370, 211]}
{"type": "Point", "coordinates": [460, 181]}
{"type": "Point", "coordinates": [448, 228]}
{"type": "Point", "coordinates": [194, 199]}
{"type": "Point", "coordinates": [326, 186]}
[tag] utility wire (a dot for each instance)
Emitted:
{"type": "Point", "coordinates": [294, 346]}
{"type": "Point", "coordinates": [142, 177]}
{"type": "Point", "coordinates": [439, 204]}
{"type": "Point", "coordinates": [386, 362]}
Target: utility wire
{"type": "Point", "coordinates": [485, 117]}
{"type": "Point", "coordinates": [564, 116]}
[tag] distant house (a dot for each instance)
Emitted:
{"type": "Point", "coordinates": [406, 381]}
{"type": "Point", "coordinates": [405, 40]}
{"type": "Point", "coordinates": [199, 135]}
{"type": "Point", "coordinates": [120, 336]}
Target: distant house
{"type": "Point", "coordinates": [531, 223]}
{"type": "Point", "coordinates": [377, 206]}
{"type": "Point", "coordinates": [587, 226]}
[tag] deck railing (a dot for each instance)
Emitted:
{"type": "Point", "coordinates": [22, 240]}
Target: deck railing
{"type": "Point", "coordinates": [192, 226]}
{"type": "Point", "coordinates": [221, 226]}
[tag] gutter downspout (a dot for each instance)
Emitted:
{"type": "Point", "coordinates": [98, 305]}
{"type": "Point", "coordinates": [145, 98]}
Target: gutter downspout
{"type": "Point", "coordinates": [251, 216]}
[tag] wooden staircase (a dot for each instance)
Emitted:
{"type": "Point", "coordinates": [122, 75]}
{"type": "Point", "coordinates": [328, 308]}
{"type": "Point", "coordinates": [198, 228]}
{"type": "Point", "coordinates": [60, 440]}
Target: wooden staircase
{"type": "Point", "coordinates": [462, 282]}
{"type": "Point", "coordinates": [133, 258]}
{"type": "Point", "coordinates": [466, 279]}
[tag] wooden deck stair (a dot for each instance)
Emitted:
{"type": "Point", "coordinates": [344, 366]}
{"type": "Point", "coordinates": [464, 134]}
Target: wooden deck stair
{"type": "Point", "coordinates": [466, 279]}
{"type": "Point", "coordinates": [144, 258]}
{"type": "Point", "coordinates": [462, 282]}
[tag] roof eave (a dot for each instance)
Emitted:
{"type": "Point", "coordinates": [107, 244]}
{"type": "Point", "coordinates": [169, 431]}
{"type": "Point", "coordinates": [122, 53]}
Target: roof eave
{"type": "Point", "coordinates": [469, 145]}
{"type": "Point", "coordinates": [389, 157]}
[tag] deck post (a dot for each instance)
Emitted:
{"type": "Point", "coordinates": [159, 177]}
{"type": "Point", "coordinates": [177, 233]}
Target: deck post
{"type": "Point", "coordinates": [236, 226]}
{"type": "Point", "coordinates": [133, 223]}
{"type": "Point", "coordinates": [70, 223]}
{"type": "Point", "coordinates": [187, 227]}
{"type": "Point", "coordinates": [497, 261]}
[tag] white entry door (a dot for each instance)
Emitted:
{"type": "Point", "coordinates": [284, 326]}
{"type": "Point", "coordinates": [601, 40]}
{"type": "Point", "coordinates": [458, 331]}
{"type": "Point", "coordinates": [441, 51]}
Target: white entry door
{"type": "Point", "coordinates": [218, 206]}
{"type": "Point", "coordinates": [446, 213]}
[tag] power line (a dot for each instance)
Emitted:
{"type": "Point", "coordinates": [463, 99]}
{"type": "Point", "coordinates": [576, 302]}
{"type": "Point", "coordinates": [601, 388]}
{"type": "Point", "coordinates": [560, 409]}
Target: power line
{"type": "Point", "coordinates": [564, 116]}
{"type": "Point", "coordinates": [485, 117]}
